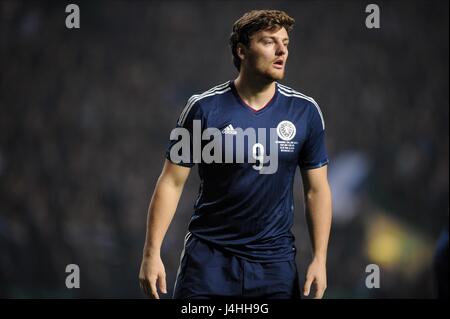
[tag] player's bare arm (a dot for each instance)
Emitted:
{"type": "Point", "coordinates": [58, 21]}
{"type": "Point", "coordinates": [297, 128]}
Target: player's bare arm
{"type": "Point", "coordinates": [318, 215]}
{"type": "Point", "coordinates": [152, 275]}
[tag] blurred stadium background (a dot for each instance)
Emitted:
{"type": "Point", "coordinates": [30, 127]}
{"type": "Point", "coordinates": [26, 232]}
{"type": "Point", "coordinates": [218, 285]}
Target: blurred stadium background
{"type": "Point", "coordinates": [85, 115]}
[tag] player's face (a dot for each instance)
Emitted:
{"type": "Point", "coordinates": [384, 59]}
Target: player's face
{"type": "Point", "coordinates": [268, 53]}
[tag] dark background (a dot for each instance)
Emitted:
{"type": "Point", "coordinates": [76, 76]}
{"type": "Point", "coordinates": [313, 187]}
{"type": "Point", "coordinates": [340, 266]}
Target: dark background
{"type": "Point", "coordinates": [85, 115]}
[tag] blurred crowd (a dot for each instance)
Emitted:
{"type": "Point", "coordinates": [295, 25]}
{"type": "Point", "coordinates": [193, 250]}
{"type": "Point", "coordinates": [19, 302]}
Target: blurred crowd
{"type": "Point", "coordinates": [85, 116]}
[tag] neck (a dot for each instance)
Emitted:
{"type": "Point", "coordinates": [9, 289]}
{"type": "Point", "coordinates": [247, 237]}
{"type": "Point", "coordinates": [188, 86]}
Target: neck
{"type": "Point", "coordinates": [256, 92]}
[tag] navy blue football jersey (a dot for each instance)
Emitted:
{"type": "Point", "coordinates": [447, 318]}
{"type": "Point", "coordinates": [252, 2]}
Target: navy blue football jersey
{"type": "Point", "coordinates": [245, 201]}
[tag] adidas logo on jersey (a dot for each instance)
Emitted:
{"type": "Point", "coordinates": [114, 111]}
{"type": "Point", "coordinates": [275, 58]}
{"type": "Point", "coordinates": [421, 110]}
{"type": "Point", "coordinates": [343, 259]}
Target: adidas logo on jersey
{"type": "Point", "coordinates": [229, 130]}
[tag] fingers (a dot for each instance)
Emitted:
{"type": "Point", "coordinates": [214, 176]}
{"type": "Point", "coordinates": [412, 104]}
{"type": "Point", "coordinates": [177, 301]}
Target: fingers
{"type": "Point", "coordinates": [145, 286]}
{"type": "Point", "coordinates": [153, 291]}
{"type": "Point", "coordinates": [320, 291]}
{"type": "Point", "coordinates": [148, 286]}
{"type": "Point", "coordinates": [142, 285]}
{"type": "Point", "coordinates": [161, 279]}
{"type": "Point", "coordinates": [162, 283]}
{"type": "Point", "coordinates": [307, 286]}
{"type": "Point", "coordinates": [152, 276]}
{"type": "Point", "coordinates": [319, 287]}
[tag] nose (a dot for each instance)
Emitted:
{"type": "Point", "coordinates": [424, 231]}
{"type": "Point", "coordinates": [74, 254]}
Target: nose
{"type": "Point", "coordinates": [281, 49]}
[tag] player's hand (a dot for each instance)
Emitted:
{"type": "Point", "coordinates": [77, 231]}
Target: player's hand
{"type": "Point", "coordinates": [317, 275]}
{"type": "Point", "coordinates": [152, 275]}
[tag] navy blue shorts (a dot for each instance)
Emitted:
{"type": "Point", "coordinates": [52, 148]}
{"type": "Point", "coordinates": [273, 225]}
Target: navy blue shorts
{"type": "Point", "coordinates": [206, 272]}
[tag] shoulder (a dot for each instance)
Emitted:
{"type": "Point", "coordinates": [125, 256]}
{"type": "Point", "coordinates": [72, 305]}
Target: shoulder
{"type": "Point", "coordinates": [202, 100]}
{"type": "Point", "coordinates": [308, 101]}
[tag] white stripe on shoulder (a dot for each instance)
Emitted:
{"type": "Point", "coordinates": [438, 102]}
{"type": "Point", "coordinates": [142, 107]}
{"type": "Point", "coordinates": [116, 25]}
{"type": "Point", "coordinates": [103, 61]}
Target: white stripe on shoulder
{"type": "Point", "coordinates": [196, 97]}
{"type": "Point", "coordinates": [188, 104]}
{"type": "Point", "coordinates": [287, 91]}
{"type": "Point", "coordinates": [200, 97]}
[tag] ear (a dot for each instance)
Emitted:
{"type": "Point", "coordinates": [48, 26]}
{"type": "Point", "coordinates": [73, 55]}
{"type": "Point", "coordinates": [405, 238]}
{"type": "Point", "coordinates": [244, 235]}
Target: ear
{"type": "Point", "coordinates": [241, 51]}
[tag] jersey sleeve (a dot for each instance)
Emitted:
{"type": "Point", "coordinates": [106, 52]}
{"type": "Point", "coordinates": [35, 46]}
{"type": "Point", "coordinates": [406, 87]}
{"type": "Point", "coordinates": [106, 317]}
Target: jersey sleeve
{"type": "Point", "coordinates": [180, 148]}
{"type": "Point", "coordinates": [313, 153]}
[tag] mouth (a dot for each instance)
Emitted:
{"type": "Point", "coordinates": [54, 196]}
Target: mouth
{"type": "Point", "coordinates": [278, 64]}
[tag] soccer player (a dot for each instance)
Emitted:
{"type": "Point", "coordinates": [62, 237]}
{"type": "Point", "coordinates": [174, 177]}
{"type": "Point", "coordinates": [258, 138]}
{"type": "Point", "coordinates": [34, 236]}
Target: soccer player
{"type": "Point", "coordinates": [239, 241]}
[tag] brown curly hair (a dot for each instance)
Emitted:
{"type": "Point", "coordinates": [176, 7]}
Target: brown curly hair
{"type": "Point", "coordinates": [254, 21]}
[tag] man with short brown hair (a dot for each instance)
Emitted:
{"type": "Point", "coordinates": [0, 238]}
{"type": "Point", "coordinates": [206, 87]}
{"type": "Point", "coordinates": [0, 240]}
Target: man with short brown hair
{"type": "Point", "coordinates": [239, 242]}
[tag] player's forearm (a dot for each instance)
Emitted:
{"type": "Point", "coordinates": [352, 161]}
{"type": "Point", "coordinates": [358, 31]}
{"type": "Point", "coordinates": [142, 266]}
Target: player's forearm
{"type": "Point", "coordinates": [161, 210]}
{"type": "Point", "coordinates": [319, 215]}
